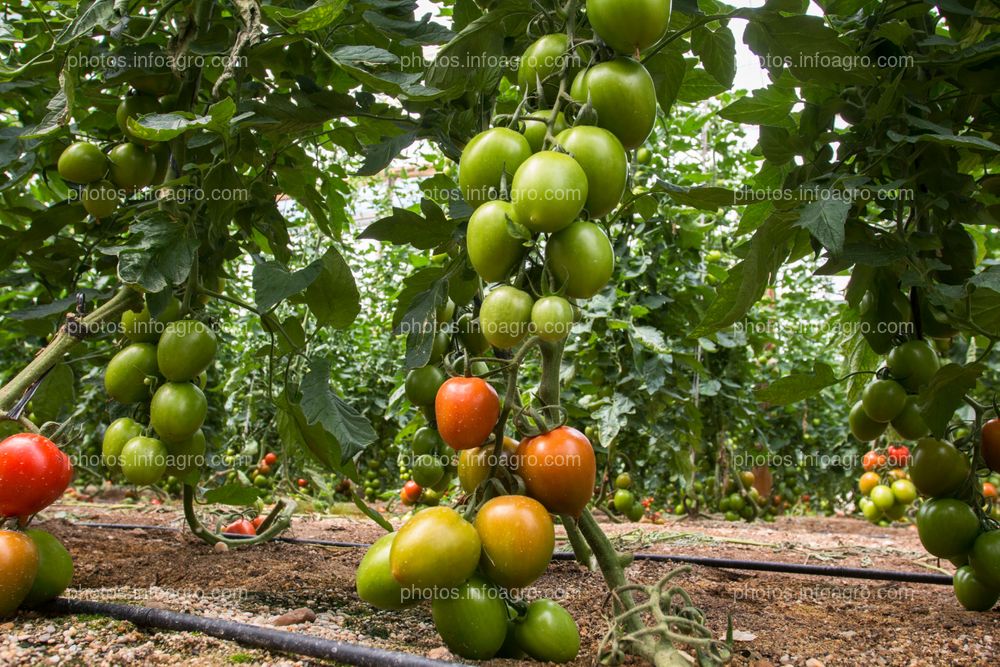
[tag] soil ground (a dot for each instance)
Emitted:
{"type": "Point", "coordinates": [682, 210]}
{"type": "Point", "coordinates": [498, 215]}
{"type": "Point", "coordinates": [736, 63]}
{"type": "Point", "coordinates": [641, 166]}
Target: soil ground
{"type": "Point", "coordinates": [778, 618]}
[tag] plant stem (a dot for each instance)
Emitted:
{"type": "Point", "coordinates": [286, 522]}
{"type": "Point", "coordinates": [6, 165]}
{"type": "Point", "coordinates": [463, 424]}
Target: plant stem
{"type": "Point", "coordinates": [276, 523]}
{"type": "Point", "coordinates": [62, 342]}
{"type": "Point", "coordinates": [584, 556]}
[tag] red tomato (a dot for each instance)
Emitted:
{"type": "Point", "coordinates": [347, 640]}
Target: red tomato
{"type": "Point", "coordinates": [33, 474]}
{"type": "Point", "coordinates": [558, 469]}
{"type": "Point", "coordinates": [899, 455]}
{"type": "Point", "coordinates": [257, 521]}
{"type": "Point", "coordinates": [991, 444]}
{"type": "Point", "coordinates": [270, 458]}
{"type": "Point", "coordinates": [240, 527]}
{"type": "Point", "coordinates": [303, 483]}
{"type": "Point", "coordinates": [467, 409]}
{"type": "Point", "coordinates": [263, 468]}
{"type": "Point", "coordinates": [989, 490]}
{"type": "Point", "coordinates": [410, 493]}
{"type": "Point", "coordinates": [873, 460]}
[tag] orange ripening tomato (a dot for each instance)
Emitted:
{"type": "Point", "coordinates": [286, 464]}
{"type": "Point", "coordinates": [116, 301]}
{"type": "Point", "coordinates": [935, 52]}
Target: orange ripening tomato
{"type": "Point", "coordinates": [559, 470]}
{"type": "Point", "coordinates": [467, 409]}
{"type": "Point", "coordinates": [989, 490]}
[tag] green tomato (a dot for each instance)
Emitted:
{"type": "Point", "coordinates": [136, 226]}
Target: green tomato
{"type": "Point", "coordinates": [439, 348]}
{"type": "Point", "coordinates": [624, 500]}
{"type": "Point", "coordinates": [913, 364]}
{"type": "Point", "coordinates": [937, 468]}
{"type": "Point", "coordinates": [629, 26]}
{"type": "Point", "coordinates": [187, 458]}
{"type": "Point", "coordinates": [427, 470]}
{"type": "Point", "coordinates": [623, 481]}
{"type": "Point", "coordinates": [904, 491]}
{"type": "Point", "coordinates": [374, 581]}
{"type": "Point", "coordinates": [643, 156]}
{"type": "Point", "coordinates": [493, 251]}
{"type": "Point", "coordinates": [471, 618]}
{"type": "Point", "coordinates": [125, 378]}
{"type": "Point", "coordinates": [422, 384]}
{"type": "Point", "coordinates": [972, 592]}
{"type": "Point", "coordinates": [862, 426]}
{"type": "Point", "coordinates": [549, 191]}
{"type": "Point", "coordinates": [605, 163]}
{"type": "Point", "coordinates": [581, 259]}
{"type": "Point", "coordinates": [437, 548]}
{"type": "Point", "coordinates": [144, 461]}
{"type": "Point", "coordinates": [142, 327]}
{"type": "Point", "coordinates": [882, 496]}
{"type": "Point", "coordinates": [471, 336]}
{"type": "Point", "coordinates": [737, 502]}
{"type": "Point", "coordinates": [552, 318]}
{"type": "Point", "coordinates": [177, 411]}
{"type": "Point", "coordinates": [132, 167]}
{"type": "Point", "coordinates": [505, 316]}
{"type": "Point", "coordinates": [445, 311]}
{"type": "Point", "coordinates": [870, 510]}
{"type": "Point", "coordinates": [119, 432]}
{"type": "Point", "coordinates": [427, 441]}
{"type": "Point", "coordinates": [135, 106]}
{"type": "Point", "coordinates": [548, 632]}
{"type": "Point", "coordinates": [489, 158]}
{"type": "Point", "coordinates": [541, 63]}
{"type": "Point", "coordinates": [910, 423]}
{"type": "Point", "coordinates": [621, 91]}
{"type": "Point", "coordinates": [82, 162]}
{"type": "Point", "coordinates": [537, 124]}
{"type": "Point", "coordinates": [100, 199]}
{"type": "Point", "coordinates": [985, 559]}
{"type": "Point", "coordinates": [186, 349]}
{"type": "Point", "coordinates": [947, 527]}
{"type": "Point", "coordinates": [883, 400]}
{"type": "Point", "coordinates": [636, 513]}
{"type": "Point", "coordinates": [55, 569]}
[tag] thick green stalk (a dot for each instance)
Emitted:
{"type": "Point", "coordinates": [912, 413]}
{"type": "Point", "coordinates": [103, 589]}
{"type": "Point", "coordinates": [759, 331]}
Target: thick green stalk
{"type": "Point", "coordinates": [276, 523]}
{"type": "Point", "coordinates": [69, 334]}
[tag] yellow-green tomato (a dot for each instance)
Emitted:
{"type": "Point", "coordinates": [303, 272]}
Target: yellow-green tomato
{"type": "Point", "coordinates": [549, 191]}
{"type": "Point", "coordinates": [125, 377]}
{"type": "Point", "coordinates": [437, 548]}
{"type": "Point", "coordinates": [518, 540]}
{"type": "Point", "coordinates": [493, 250]}
{"type": "Point", "coordinates": [132, 166]}
{"type": "Point", "coordinates": [605, 163]}
{"type": "Point", "coordinates": [541, 63]}
{"type": "Point", "coordinates": [144, 461]}
{"type": "Point", "coordinates": [375, 583]}
{"type": "Point", "coordinates": [187, 347]}
{"type": "Point", "coordinates": [505, 316]}
{"type": "Point", "coordinates": [55, 569]}
{"type": "Point", "coordinates": [552, 318]}
{"type": "Point", "coordinates": [99, 199]}
{"type": "Point", "coordinates": [581, 258]}
{"type": "Point", "coordinates": [471, 618]}
{"type": "Point", "coordinates": [82, 162]}
{"type": "Point", "coordinates": [489, 158]}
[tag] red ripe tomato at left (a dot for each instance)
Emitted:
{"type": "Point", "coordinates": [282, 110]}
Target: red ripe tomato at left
{"type": "Point", "coordinates": [33, 474]}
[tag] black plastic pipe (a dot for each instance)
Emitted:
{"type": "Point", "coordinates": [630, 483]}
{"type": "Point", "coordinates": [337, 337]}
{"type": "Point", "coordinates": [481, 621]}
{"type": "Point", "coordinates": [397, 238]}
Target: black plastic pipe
{"type": "Point", "coordinates": [278, 641]}
{"type": "Point", "coordinates": [723, 563]}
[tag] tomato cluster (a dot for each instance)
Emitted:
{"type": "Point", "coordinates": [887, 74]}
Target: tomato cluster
{"type": "Point", "coordinates": [163, 367]}
{"type": "Point", "coordinates": [34, 565]}
{"type": "Point", "coordinates": [471, 573]}
{"type": "Point", "coordinates": [951, 519]}
{"type": "Point", "coordinates": [624, 500]}
{"type": "Point", "coordinates": [102, 178]}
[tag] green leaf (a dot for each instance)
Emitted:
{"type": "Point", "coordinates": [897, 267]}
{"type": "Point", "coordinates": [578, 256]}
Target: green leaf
{"type": "Point", "coordinates": [295, 431]}
{"type": "Point", "coordinates": [698, 85]}
{"type": "Point", "coordinates": [945, 394]}
{"type": "Point", "coordinates": [233, 494]}
{"type": "Point", "coordinates": [319, 15]}
{"type": "Point", "coordinates": [767, 106]}
{"type": "Point", "coordinates": [159, 253]}
{"type": "Point", "coordinates": [321, 405]}
{"type": "Point", "coordinates": [717, 51]}
{"type": "Point", "coordinates": [333, 297]}
{"type": "Point", "coordinates": [273, 283]}
{"type": "Point", "coordinates": [825, 219]}
{"type": "Point", "coordinates": [405, 227]}
{"type": "Point", "coordinates": [612, 416]}
{"type": "Point", "coordinates": [55, 397]}
{"type": "Point", "coordinates": [797, 386]}
{"type": "Point", "coordinates": [370, 511]}
{"type": "Point", "coordinates": [766, 252]}
{"type": "Point", "coordinates": [708, 198]}
{"type": "Point", "coordinates": [667, 69]}
{"type": "Point", "coordinates": [651, 338]}
{"type": "Point", "coordinates": [97, 14]}
{"type": "Point", "coordinates": [167, 126]}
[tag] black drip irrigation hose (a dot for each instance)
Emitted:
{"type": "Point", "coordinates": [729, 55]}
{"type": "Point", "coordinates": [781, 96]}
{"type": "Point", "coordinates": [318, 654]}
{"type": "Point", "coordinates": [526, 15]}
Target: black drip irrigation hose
{"type": "Point", "coordinates": [278, 641]}
{"type": "Point", "coordinates": [723, 563]}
